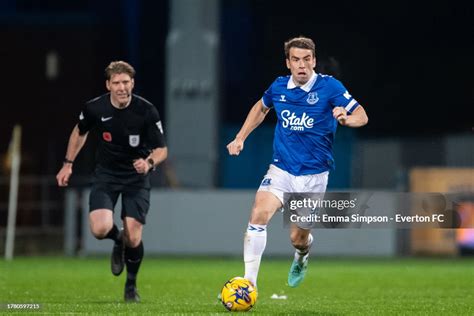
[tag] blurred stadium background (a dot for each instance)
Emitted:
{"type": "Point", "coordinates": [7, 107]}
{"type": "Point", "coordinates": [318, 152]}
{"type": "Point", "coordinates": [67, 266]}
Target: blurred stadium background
{"type": "Point", "coordinates": [203, 63]}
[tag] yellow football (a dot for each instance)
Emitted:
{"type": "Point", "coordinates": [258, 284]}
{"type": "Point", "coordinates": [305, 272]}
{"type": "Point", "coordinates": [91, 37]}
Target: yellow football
{"type": "Point", "coordinates": [238, 294]}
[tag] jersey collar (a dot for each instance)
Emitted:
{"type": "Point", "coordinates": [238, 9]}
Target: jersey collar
{"type": "Point", "coordinates": [117, 107]}
{"type": "Point", "coordinates": [306, 87]}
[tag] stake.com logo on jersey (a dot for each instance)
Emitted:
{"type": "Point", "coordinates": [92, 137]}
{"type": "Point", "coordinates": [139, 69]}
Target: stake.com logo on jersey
{"type": "Point", "coordinates": [295, 123]}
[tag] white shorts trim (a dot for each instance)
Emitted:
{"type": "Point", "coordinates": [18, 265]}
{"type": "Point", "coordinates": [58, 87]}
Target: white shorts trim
{"type": "Point", "coordinates": [278, 182]}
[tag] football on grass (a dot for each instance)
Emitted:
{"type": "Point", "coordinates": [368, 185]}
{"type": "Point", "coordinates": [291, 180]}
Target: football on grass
{"type": "Point", "coordinates": [238, 294]}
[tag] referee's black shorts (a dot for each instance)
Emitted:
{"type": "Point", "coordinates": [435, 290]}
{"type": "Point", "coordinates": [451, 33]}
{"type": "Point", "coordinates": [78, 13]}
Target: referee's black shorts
{"type": "Point", "coordinates": [135, 200]}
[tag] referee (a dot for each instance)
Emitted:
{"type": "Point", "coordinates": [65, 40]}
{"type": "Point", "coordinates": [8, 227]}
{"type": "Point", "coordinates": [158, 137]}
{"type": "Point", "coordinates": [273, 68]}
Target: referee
{"type": "Point", "coordinates": [131, 145]}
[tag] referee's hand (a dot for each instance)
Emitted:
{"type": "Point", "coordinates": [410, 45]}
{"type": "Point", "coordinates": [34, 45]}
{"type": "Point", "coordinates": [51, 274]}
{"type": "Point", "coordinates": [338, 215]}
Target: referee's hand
{"type": "Point", "coordinates": [235, 147]}
{"type": "Point", "coordinates": [141, 166]}
{"type": "Point", "coordinates": [64, 174]}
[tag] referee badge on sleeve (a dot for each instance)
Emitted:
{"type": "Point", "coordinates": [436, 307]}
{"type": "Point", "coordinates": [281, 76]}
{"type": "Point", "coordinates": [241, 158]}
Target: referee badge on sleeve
{"type": "Point", "coordinates": [134, 140]}
{"type": "Point", "coordinates": [160, 126]}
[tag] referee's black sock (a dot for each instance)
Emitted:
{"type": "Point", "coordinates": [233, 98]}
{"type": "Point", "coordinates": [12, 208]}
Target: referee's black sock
{"type": "Point", "coordinates": [113, 234]}
{"type": "Point", "coordinates": [133, 259]}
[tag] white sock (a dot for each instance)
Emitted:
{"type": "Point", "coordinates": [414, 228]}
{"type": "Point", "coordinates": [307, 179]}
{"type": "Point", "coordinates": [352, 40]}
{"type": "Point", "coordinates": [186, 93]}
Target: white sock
{"type": "Point", "coordinates": [302, 254]}
{"type": "Point", "coordinates": [254, 244]}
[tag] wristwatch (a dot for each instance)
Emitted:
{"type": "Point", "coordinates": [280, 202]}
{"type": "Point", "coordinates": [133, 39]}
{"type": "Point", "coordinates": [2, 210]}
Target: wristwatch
{"type": "Point", "coordinates": [151, 163]}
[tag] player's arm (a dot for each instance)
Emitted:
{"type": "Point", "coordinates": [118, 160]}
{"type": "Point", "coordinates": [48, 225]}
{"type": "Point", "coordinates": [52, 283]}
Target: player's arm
{"type": "Point", "coordinates": [254, 118]}
{"type": "Point", "coordinates": [357, 118]}
{"type": "Point", "coordinates": [76, 142]}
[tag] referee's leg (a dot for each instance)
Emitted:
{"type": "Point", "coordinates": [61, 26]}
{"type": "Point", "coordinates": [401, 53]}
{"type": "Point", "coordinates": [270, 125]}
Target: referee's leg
{"type": "Point", "coordinates": [135, 206]}
{"type": "Point", "coordinates": [101, 222]}
{"type": "Point", "coordinates": [102, 200]}
{"type": "Point", "coordinates": [133, 256]}
{"type": "Point", "coordinates": [103, 227]}
{"type": "Point", "coordinates": [133, 232]}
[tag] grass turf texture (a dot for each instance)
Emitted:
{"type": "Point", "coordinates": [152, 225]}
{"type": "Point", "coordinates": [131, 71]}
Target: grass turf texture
{"type": "Point", "coordinates": [182, 286]}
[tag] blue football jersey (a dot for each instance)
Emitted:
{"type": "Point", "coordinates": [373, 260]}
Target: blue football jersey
{"type": "Point", "coordinates": [305, 130]}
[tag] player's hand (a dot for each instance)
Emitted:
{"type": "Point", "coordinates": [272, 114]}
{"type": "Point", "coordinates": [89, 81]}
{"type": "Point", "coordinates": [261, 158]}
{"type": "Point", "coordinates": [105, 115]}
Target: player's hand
{"type": "Point", "coordinates": [235, 147]}
{"type": "Point", "coordinates": [64, 174]}
{"type": "Point", "coordinates": [340, 114]}
{"type": "Point", "coordinates": [141, 166]}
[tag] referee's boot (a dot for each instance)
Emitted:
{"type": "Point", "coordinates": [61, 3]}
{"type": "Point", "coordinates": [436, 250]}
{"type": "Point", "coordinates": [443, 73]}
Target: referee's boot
{"type": "Point", "coordinates": [117, 261]}
{"type": "Point", "coordinates": [297, 272]}
{"type": "Point", "coordinates": [131, 294]}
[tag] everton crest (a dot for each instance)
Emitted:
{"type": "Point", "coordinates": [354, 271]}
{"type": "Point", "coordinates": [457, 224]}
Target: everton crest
{"type": "Point", "coordinates": [312, 98]}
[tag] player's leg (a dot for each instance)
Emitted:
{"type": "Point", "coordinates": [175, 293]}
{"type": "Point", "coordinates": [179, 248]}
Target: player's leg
{"type": "Point", "coordinates": [300, 233]}
{"type": "Point", "coordinates": [268, 199]}
{"type": "Point", "coordinates": [102, 202]}
{"type": "Point", "coordinates": [135, 207]}
{"type": "Point", "coordinates": [255, 240]}
{"type": "Point", "coordinates": [302, 240]}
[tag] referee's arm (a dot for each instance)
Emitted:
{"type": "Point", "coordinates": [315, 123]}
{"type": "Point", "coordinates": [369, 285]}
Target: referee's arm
{"type": "Point", "coordinates": [76, 142]}
{"type": "Point", "coordinates": [159, 155]}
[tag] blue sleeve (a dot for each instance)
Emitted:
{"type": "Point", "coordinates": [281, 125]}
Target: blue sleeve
{"type": "Point", "coordinates": [267, 97]}
{"type": "Point", "coordinates": [341, 97]}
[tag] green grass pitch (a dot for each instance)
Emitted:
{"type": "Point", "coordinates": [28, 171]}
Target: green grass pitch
{"type": "Point", "coordinates": [191, 285]}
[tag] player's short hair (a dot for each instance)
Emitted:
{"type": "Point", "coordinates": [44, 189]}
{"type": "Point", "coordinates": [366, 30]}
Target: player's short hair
{"type": "Point", "coordinates": [299, 42]}
{"type": "Point", "coordinates": [119, 67]}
